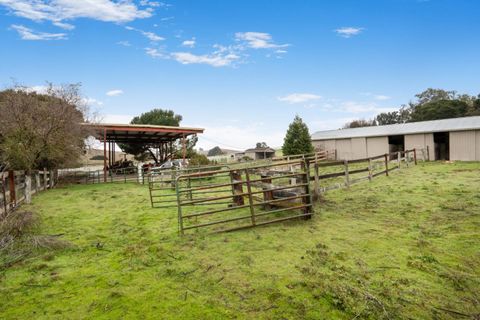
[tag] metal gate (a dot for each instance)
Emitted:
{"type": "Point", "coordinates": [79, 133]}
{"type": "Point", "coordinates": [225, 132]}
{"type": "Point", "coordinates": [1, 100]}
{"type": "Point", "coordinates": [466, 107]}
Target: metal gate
{"type": "Point", "coordinates": [232, 199]}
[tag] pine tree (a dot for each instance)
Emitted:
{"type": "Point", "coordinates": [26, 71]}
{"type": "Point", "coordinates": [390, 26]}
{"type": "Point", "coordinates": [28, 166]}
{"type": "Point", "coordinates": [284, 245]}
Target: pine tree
{"type": "Point", "coordinates": [297, 140]}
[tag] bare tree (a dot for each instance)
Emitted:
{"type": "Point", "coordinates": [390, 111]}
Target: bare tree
{"type": "Point", "coordinates": [42, 130]}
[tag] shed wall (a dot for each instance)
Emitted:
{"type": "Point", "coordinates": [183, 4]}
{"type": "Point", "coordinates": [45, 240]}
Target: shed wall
{"type": "Point", "coordinates": [344, 149]}
{"type": "Point", "coordinates": [462, 145]}
{"type": "Point", "coordinates": [477, 145]}
{"type": "Point", "coordinates": [324, 145]}
{"type": "Point", "coordinates": [377, 146]}
{"type": "Point", "coordinates": [359, 148]}
{"type": "Point", "coordinates": [420, 141]}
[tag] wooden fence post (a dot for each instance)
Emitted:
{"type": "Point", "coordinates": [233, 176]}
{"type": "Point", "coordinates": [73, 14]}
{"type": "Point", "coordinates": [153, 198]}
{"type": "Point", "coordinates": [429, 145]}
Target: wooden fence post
{"type": "Point", "coordinates": [237, 188]}
{"type": "Point", "coordinates": [51, 179]}
{"type": "Point", "coordinates": [28, 187]}
{"type": "Point", "coordinates": [4, 194]}
{"type": "Point", "coordinates": [37, 182]}
{"type": "Point", "coordinates": [369, 169]}
{"type": "Point", "coordinates": [307, 201]}
{"type": "Point", "coordinates": [11, 185]}
{"type": "Point", "coordinates": [140, 173]}
{"type": "Point", "coordinates": [45, 179]}
{"type": "Point", "coordinates": [386, 164]}
{"type": "Point", "coordinates": [399, 159]}
{"type": "Point", "coordinates": [428, 153]}
{"type": "Point", "coordinates": [250, 197]}
{"type": "Point", "coordinates": [267, 195]}
{"type": "Point", "coordinates": [347, 176]}
{"type": "Point", "coordinates": [317, 181]}
{"type": "Point", "coordinates": [316, 190]}
{"type": "Point", "coordinates": [407, 158]}
{"type": "Point", "coordinates": [415, 156]}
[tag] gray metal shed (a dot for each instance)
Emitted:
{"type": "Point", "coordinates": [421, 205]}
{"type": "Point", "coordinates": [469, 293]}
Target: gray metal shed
{"type": "Point", "coordinates": [447, 139]}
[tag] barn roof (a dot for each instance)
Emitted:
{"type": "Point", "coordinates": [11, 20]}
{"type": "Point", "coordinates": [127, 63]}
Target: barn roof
{"type": "Point", "coordinates": [140, 133]}
{"type": "Point", "coordinates": [456, 124]}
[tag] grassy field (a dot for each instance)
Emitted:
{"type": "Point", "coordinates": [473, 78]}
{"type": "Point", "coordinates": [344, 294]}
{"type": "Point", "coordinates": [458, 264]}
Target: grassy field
{"type": "Point", "coordinates": [405, 246]}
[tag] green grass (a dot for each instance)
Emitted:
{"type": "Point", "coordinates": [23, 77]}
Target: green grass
{"type": "Point", "coordinates": [404, 246]}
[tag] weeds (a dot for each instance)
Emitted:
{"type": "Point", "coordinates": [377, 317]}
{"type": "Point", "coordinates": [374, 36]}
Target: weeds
{"type": "Point", "coordinates": [18, 238]}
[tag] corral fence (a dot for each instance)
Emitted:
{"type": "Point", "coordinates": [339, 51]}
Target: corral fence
{"type": "Point", "coordinates": [232, 199]}
{"type": "Point", "coordinates": [237, 198]}
{"type": "Point", "coordinates": [118, 175]}
{"type": "Point", "coordinates": [18, 186]}
{"type": "Point", "coordinates": [338, 174]}
{"type": "Point", "coordinates": [161, 183]}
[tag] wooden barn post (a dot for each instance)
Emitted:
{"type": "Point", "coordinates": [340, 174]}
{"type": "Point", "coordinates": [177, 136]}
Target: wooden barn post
{"type": "Point", "coordinates": [184, 147]}
{"type": "Point", "coordinates": [104, 154]}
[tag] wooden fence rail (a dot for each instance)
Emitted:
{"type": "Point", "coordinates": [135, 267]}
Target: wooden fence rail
{"type": "Point", "coordinates": [349, 169]}
{"type": "Point", "coordinates": [17, 187]}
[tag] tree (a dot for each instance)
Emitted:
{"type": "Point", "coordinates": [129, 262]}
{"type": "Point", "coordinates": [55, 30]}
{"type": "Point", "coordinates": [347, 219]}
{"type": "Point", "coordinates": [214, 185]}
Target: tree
{"type": "Point", "coordinates": [297, 140]}
{"type": "Point", "coordinates": [441, 109]}
{"type": "Point", "coordinates": [433, 95]}
{"type": "Point", "coordinates": [158, 117]}
{"type": "Point", "coordinates": [42, 130]}
{"type": "Point", "coordinates": [360, 123]}
{"type": "Point", "coordinates": [216, 151]}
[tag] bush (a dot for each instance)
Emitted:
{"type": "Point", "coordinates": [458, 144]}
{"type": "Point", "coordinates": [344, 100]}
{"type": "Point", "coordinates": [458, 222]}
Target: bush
{"type": "Point", "coordinates": [198, 160]}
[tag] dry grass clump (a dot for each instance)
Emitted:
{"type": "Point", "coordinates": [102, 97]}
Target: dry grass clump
{"type": "Point", "coordinates": [19, 237]}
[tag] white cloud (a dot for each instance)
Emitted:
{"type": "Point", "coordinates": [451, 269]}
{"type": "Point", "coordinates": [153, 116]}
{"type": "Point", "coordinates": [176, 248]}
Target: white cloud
{"type": "Point", "coordinates": [258, 40]}
{"type": "Point", "coordinates": [381, 97]}
{"type": "Point", "coordinates": [150, 35]}
{"type": "Point", "coordinates": [124, 43]}
{"type": "Point", "coordinates": [29, 34]}
{"type": "Point", "coordinates": [348, 32]}
{"type": "Point", "coordinates": [155, 53]}
{"type": "Point", "coordinates": [221, 57]}
{"type": "Point", "coordinates": [189, 43]}
{"type": "Point", "coordinates": [153, 3]}
{"type": "Point", "coordinates": [114, 93]}
{"type": "Point", "coordinates": [59, 10]}
{"type": "Point", "coordinates": [63, 25]}
{"type": "Point", "coordinates": [299, 97]}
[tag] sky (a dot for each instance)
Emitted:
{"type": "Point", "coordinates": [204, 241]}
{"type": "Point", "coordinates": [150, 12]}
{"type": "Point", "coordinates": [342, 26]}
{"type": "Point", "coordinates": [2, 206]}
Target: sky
{"type": "Point", "coordinates": [243, 69]}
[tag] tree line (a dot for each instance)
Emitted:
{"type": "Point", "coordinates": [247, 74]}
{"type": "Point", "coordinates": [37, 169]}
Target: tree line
{"type": "Point", "coordinates": [431, 104]}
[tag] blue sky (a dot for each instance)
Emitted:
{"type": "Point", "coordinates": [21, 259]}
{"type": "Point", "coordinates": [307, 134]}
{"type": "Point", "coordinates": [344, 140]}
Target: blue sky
{"type": "Point", "coordinates": [243, 69]}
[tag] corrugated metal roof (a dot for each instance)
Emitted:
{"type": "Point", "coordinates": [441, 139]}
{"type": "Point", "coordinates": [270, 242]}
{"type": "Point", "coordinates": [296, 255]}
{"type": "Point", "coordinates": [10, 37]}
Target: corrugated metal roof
{"type": "Point", "coordinates": [456, 124]}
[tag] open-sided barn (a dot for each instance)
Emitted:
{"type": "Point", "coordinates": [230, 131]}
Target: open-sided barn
{"type": "Point", "coordinates": [447, 139]}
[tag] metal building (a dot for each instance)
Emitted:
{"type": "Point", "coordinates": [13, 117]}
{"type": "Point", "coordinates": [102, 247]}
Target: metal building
{"type": "Point", "coordinates": [447, 139]}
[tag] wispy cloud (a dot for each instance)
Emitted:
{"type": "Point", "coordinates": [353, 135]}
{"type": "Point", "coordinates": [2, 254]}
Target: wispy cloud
{"type": "Point", "coordinates": [114, 93]}
{"type": "Point", "coordinates": [63, 25]}
{"type": "Point", "coordinates": [29, 34]}
{"type": "Point", "coordinates": [150, 35]}
{"type": "Point", "coordinates": [299, 98]}
{"type": "Point", "coordinates": [189, 43]}
{"type": "Point", "coordinates": [150, 3]}
{"type": "Point", "coordinates": [156, 53]}
{"type": "Point", "coordinates": [348, 32]}
{"type": "Point", "coordinates": [258, 40]}
{"type": "Point", "coordinates": [216, 59]}
{"type": "Point", "coordinates": [124, 43]}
